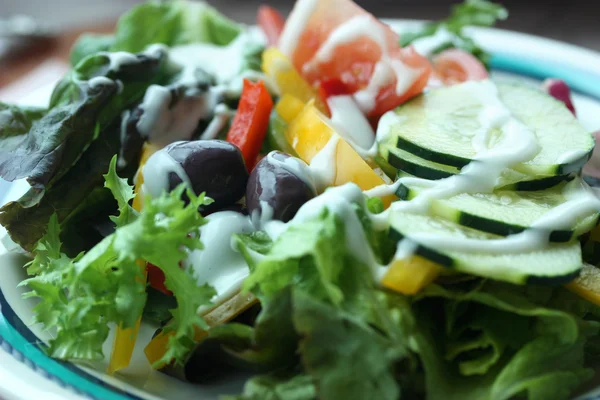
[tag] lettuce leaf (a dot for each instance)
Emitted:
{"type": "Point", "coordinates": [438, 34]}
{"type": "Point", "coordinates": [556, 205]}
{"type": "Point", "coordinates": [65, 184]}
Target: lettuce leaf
{"type": "Point", "coordinates": [64, 153]}
{"type": "Point", "coordinates": [172, 23]}
{"type": "Point", "coordinates": [469, 13]}
{"type": "Point", "coordinates": [278, 387]}
{"type": "Point", "coordinates": [344, 327]}
{"type": "Point", "coordinates": [54, 142]}
{"type": "Point", "coordinates": [496, 341]}
{"type": "Point", "coordinates": [88, 44]}
{"type": "Point", "coordinates": [80, 297]}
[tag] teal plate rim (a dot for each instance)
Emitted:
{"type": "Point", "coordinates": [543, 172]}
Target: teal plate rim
{"type": "Point", "coordinates": [19, 341]}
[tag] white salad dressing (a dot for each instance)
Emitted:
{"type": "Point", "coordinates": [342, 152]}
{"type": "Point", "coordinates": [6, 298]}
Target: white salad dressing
{"type": "Point", "coordinates": [350, 31]}
{"type": "Point", "coordinates": [517, 144]}
{"type": "Point", "coordinates": [163, 123]}
{"type": "Point", "coordinates": [296, 167]}
{"type": "Point", "coordinates": [120, 58]}
{"type": "Point", "coordinates": [338, 200]}
{"type": "Point", "coordinates": [218, 264]}
{"type": "Point", "coordinates": [156, 174]}
{"type": "Point", "coordinates": [223, 62]}
{"type": "Point", "coordinates": [99, 81]}
{"type": "Point", "coordinates": [165, 120]}
{"type": "Point", "coordinates": [427, 45]}
{"type": "Point", "coordinates": [295, 23]}
{"type": "Point", "coordinates": [222, 115]}
{"type": "Point", "coordinates": [352, 125]}
{"type": "Point", "coordinates": [323, 166]}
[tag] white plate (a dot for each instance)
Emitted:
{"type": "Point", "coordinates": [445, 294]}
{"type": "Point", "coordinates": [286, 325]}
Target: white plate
{"type": "Point", "coordinates": [26, 373]}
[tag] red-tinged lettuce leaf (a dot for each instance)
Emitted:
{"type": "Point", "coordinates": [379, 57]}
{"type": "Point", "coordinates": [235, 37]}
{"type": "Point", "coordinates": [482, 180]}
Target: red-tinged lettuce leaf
{"type": "Point", "coordinates": [78, 199]}
{"type": "Point", "coordinates": [16, 121]}
{"type": "Point", "coordinates": [55, 142]}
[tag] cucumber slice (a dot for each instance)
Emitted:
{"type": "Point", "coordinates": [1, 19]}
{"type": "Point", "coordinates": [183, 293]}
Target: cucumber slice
{"type": "Point", "coordinates": [385, 166]}
{"type": "Point", "coordinates": [504, 212]}
{"type": "Point", "coordinates": [439, 126]}
{"type": "Point", "coordinates": [414, 165]}
{"type": "Point", "coordinates": [421, 168]}
{"type": "Point", "coordinates": [555, 264]}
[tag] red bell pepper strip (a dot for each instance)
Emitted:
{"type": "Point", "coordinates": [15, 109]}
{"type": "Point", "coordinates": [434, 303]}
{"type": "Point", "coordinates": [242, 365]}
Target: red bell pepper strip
{"type": "Point", "coordinates": [271, 22]}
{"type": "Point", "coordinates": [249, 126]}
{"type": "Point", "coordinates": [156, 279]}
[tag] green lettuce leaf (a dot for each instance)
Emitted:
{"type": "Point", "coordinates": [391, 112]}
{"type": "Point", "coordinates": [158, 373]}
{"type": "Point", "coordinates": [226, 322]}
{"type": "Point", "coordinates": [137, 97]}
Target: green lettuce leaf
{"type": "Point", "coordinates": [88, 44]}
{"type": "Point", "coordinates": [345, 328]}
{"type": "Point", "coordinates": [346, 358]}
{"type": "Point", "coordinates": [173, 23]}
{"type": "Point", "coordinates": [469, 13]}
{"type": "Point", "coordinates": [495, 341]}
{"type": "Point", "coordinates": [80, 297]}
{"type": "Point", "coordinates": [278, 387]}
{"type": "Point", "coordinates": [16, 121]}
{"type": "Point", "coordinates": [64, 153]}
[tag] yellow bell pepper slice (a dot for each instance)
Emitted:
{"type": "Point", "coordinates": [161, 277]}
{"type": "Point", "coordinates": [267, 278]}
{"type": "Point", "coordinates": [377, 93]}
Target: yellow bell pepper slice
{"type": "Point", "coordinates": [217, 316]}
{"type": "Point", "coordinates": [288, 107]}
{"type": "Point", "coordinates": [277, 67]}
{"type": "Point", "coordinates": [411, 275]}
{"type": "Point", "coordinates": [124, 342]}
{"type": "Point", "coordinates": [587, 284]}
{"type": "Point", "coordinates": [310, 132]}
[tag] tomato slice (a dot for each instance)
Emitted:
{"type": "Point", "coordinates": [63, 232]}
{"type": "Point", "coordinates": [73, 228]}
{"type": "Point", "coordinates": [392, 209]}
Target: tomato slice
{"type": "Point", "coordinates": [455, 66]}
{"type": "Point", "coordinates": [271, 22]}
{"type": "Point", "coordinates": [337, 39]}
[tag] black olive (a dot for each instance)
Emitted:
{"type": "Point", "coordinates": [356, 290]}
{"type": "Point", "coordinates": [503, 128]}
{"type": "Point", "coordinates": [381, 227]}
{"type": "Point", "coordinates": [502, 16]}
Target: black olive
{"type": "Point", "coordinates": [212, 166]}
{"type": "Point", "coordinates": [279, 186]}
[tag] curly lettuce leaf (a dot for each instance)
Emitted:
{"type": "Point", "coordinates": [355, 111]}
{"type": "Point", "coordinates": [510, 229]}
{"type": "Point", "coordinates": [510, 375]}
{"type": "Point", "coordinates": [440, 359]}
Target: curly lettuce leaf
{"type": "Point", "coordinates": [80, 297]}
{"type": "Point", "coordinates": [174, 23]}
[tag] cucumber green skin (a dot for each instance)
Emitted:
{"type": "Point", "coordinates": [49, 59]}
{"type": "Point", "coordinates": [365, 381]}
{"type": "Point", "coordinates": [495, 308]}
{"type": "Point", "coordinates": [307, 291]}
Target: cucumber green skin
{"type": "Point", "coordinates": [489, 225]}
{"type": "Point", "coordinates": [448, 262]}
{"type": "Point", "coordinates": [386, 167]}
{"type": "Point", "coordinates": [460, 162]}
{"type": "Point", "coordinates": [416, 170]}
{"type": "Point", "coordinates": [433, 174]}
{"type": "Point", "coordinates": [431, 155]}
{"type": "Point", "coordinates": [538, 184]}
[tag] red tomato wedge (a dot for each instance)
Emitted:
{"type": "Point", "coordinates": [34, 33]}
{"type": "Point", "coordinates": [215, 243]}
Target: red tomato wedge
{"type": "Point", "coordinates": [337, 39]}
{"type": "Point", "coordinates": [271, 22]}
{"type": "Point", "coordinates": [455, 66]}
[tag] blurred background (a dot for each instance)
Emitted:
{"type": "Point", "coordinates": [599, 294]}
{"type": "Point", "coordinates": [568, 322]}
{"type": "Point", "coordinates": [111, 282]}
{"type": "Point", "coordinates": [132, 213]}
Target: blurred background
{"type": "Point", "coordinates": [572, 21]}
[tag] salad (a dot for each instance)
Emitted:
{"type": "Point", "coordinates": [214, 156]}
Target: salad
{"type": "Point", "coordinates": [334, 209]}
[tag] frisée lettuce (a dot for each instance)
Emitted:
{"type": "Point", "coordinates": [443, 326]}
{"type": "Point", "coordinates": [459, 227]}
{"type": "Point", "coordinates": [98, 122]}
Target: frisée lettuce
{"type": "Point", "coordinates": [81, 296]}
